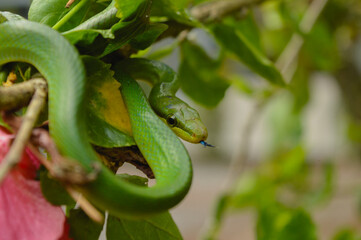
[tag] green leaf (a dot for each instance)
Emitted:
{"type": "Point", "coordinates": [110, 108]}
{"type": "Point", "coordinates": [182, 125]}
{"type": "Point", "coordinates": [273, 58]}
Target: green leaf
{"type": "Point", "coordinates": [346, 234]}
{"type": "Point", "coordinates": [299, 227]}
{"type": "Point", "coordinates": [95, 8]}
{"type": "Point", "coordinates": [137, 180]}
{"type": "Point", "coordinates": [322, 193]}
{"type": "Point", "coordinates": [291, 164]}
{"type": "Point", "coordinates": [200, 75]}
{"type": "Point", "coordinates": [171, 10]}
{"type": "Point", "coordinates": [22, 71]}
{"type": "Point", "coordinates": [124, 32]}
{"type": "Point", "coordinates": [162, 52]}
{"type": "Point", "coordinates": [217, 217]}
{"type": "Point", "coordinates": [321, 48]}
{"type": "Point", "coordinates": [5, 125]}
{"type": "Point", "coordinates": [354, 130]}
{"type": "Point", "coordinates": [199, 1]}
{"type": "Point", "coordinates": [87, 37]}
{"type": "Point", "coordinates": [47, 12]}
{"type": "Point", "coordinates": [54, 191]}
{"type": "Point", "coordinates": [284, 123]}
{"type": "Point", "coordinates": [242, 85]}
{"type": "Point", "coordinates": [8, 16]}
{"type": "Point", "coordinates": [280, 223]}
{"type": "Point", "coordinates": [108, 121]}
{"type": "Point", "coordinates": [102, 42]}
{"type": "Point", "coordinates": [299, 86]}
{"type": "Point", "coordinates": [104, 134]}
{"type": "Point", "coordinates": [82, 227]}
{"type": "Point", "coordinates": [248, 27]}
{"type": "Point", "coordinates": [248, 188]}
{"type": "Point", "coordinates": [4, 72]}
{"type": "Point", "coordinates": [237, 43]}
{"type": "Point", "coordinates": [144, 40]}
{"type": "Point", "coordinates": [51, 11]}
{"type": "Point", "coordinates": [3, 75]}
{"type": "Point", "coordinates": [157, 227]}
{"type": "Point", "coordinates": [127, 8]}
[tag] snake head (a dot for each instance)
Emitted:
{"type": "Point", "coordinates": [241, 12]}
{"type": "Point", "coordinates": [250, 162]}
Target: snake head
{"type": "Point", "coordinates": [181, 118]}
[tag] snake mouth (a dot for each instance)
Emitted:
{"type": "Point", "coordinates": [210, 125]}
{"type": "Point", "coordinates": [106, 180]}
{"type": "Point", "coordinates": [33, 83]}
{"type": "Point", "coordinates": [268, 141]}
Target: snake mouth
{"type": "Point", "coordinates": [195, 136]}
{"type": "Point", "coordinates": [191, 130]}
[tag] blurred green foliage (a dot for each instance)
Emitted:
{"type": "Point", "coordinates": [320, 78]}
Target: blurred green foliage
{"type": "Point", "coordinates": [199, 71]}
{"type": "Point", "coordinates": [281, 190]}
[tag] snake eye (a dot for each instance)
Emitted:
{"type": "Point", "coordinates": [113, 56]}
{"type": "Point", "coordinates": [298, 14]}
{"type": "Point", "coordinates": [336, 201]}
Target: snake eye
{"type": "Point", "coordinates": [171, 120]}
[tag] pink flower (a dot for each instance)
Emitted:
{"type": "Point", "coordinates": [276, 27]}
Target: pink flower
{"type": "Point", "coordinates": [24, 212]}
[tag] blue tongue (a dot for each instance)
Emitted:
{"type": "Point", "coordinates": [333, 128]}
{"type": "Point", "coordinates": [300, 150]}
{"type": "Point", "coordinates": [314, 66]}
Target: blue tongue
{"type": "Point", "coordinates": [206, 144]}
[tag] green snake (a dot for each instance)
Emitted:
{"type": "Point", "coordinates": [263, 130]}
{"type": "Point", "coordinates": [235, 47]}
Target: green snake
{"type": "Point", "coordinates": [59, 62]}
{"type": "Point", "coordinates": [179, 116]}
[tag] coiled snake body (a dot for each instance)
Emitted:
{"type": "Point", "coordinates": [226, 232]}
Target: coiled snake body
{"type": "Point", "coordinates": [59, 62]}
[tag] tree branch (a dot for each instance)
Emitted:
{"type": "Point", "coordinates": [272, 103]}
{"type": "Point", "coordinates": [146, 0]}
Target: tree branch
{"type": "Point", "coordinates": [19, 95]}
{"type": "Point", "coordinates": [116, 157]}
{"type": "Point", "coordinates": [289, 54]}
{"type": "Point", "coordinates": [14, 155]}
{"type": "Point", "coordinates": [87, 207]}
{"type": "Point", "coordinates": [207, 13]}
{"type": "Point", "coordinates": [216, 10]}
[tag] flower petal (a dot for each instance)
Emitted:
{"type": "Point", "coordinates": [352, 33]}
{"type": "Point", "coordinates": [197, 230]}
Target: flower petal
{"type": "Point", "coordinates": [24, 212]}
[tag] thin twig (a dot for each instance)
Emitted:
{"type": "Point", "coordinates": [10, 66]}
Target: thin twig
{"type": "Point", "coordinates": [75, 10]}
{"type": "Point", "coordinates": [215, 10]}
{"type": "Point", "coordinates": [41, 138]}
{"type": "Point", "coordinates": [69, 3]}
{"type": "Point", "coordinates": [290, 53]}
{"type": "Point", "coordinates": [206, 13]}
{"type": "Point", "coordinates": [87, 207]}
{"type": "Point", "coordinates": [63, 169]}
{"type": "Point", "coordinates": [17, 148]}
{"type": "Point", "coordinates": [19, 95]}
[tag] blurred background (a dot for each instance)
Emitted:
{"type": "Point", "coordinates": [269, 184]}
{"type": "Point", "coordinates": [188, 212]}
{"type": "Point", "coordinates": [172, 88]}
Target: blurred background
{"type": "Point", "coordinates": [285, 161]}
